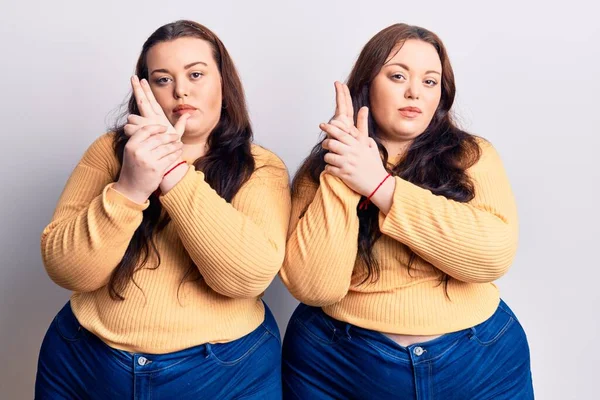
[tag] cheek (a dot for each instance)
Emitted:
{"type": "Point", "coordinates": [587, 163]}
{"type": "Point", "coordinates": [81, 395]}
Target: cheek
{"type": "Point", "coordinates": [383, 102]}
{"type": "Point", "coordinates": [380, 114]}
{"type": "Point", "coordinates": [162, 99]}
{"type": "Point", "coordinates": [217, 99]}
{"type": "Point", "coordinates": [165, 101]}
{"type": "Point", "coordinates": [210, 96]}
{"type": "Point", "coordinates": [432, 103]}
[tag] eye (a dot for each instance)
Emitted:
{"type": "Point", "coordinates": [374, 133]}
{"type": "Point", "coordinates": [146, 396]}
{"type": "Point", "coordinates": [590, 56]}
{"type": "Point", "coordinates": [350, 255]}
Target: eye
{"type": "Point", "coordinates": [162, 81]}
{"type": "Point", "coordinates": [430, 82]}
{"type": "Point", "coordinates": [196, 75]}
{"type": "Point", "coordinates": [398, 77]}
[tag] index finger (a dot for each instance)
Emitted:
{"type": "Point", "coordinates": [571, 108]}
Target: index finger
{"type": "Point", "coordinates": [145, 132]}
{"type": "Point", "coordinates": [340, 101]}
{"type": "Point", "coordinates": [362, 122]}
{"type": "Point", "coordinates": [348, 98]}
{"type": "Point", "coordinates": [140, 98]}
{"type": "Point", "coordinates": [151, 99]}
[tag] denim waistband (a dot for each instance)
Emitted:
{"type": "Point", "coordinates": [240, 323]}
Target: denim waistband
{"type": "Point", "coordinates": [424, 351]}
{"type": "Point", "coordinates": [150, 362]}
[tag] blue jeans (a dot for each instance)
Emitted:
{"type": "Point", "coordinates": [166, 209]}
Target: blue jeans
{"type": "Point", "coordinates": [75, 364]}
{"type": "Point", "coordinates": [324, 358]}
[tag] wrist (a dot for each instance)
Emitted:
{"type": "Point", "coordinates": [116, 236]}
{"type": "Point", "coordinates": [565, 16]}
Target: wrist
{"type": "Point", "coordinates": [376, 195]}
{"type": "Point", "coordinates": [173, 176]}
{"type": "Point", "coordinates": [133, 195]}
{"type": "Point", "coordinates": [383, 197]}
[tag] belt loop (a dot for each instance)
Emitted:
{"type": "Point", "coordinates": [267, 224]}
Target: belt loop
{"type": "Point", "coordinates": [472, 333]}
{"type": "Point", "coordinates": [348, 326]}
{"type": "Point", "coordinates": [207, 350]}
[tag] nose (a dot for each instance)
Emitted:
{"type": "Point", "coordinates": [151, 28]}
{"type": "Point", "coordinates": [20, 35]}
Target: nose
{"type": "Point", "coordinates": [413, 90]}
{"type": "Point", "coordinates": [180, 90]}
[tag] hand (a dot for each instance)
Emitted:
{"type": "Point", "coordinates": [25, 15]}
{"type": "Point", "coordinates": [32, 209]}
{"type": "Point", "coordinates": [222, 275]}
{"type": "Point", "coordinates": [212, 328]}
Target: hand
{"type": "Point", "coordinates": [149, 152]}
{"type": "Point", "coordinates": [353, 156]}
{"type": "Point", "coordinates": [151, 113]}
{"type": "Point", "coordinates": [344, 111]}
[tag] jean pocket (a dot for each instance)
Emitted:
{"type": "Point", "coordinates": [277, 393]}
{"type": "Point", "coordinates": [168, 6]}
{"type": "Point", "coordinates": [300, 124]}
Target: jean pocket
{"type": "Point", "coordinates": [492, 329]}
{"type": "Point", "coordinates": [271, 325]}
{"type": "Point", "coordinates": [232, 353]}
{"type": "Point", "coordinates": [320, 326]}
{"type": "Point", "coordinates": [67, 325]}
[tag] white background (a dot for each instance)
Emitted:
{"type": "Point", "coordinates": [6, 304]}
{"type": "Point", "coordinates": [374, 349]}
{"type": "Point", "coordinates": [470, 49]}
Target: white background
{"type": "Point", "coordinates": [527, 79]}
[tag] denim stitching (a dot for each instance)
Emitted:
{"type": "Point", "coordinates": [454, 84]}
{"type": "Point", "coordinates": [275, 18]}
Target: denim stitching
{"type": "Point", "coordinates": [509, 312]}
{"type": "Point", "coordinates": [416, 382]}
{"type": "Point", "coordinates": [91, 336]}
{"type": "Point", "coordinates": [452, 346]}
{"type": "Point", "coordinates": [255, 346]}
{"type": "Point", "coordinates": [385, 352]}
{"type": "Point", "coordinates": [164, 368]}
{"type": "Point", "coordinates": [277, 337]}
{"type": "Point", "coordinates": [498, 335]}
{"type": "Point", "coordinates": [57, 319]}
{"type": "Point", "coordinates": [314, 335]}
{"type": "Point", "coordinates": [431, 380]}
{"type": "Point", "coordinates": [325, 318]}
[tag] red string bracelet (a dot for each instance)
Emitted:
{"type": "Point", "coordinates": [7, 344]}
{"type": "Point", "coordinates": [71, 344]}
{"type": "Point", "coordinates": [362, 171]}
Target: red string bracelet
{"type": "Point", "coordinates": [169, 171]}
{"type": "Point", "coordinates": [365, 203]}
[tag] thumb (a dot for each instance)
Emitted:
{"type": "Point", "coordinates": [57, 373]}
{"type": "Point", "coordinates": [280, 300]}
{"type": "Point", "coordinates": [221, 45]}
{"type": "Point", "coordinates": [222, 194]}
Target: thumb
{"type": "Point", "coordinates": [180, 124]}
{"type": "Point", "coordinates": [362, 123]}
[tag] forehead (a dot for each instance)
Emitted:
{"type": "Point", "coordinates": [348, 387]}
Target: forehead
{"type": "Point", "coordinates": [417, 55]}
{"type": "Point", "coordinates": [179, 52]}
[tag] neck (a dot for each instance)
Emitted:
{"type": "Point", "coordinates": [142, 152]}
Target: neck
{"type": "Point", "coordinates": [194, 147]}
{"type": "Point", "coordinates": [395, 148]}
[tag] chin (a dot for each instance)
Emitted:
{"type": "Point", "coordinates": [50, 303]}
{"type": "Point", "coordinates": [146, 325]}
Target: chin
{"type": "Point", "coordinates": [192, 126]}
{"type": "Point", "coordinates": [194, 130]}
{"type": "Point", "coordinates": [406, 132]}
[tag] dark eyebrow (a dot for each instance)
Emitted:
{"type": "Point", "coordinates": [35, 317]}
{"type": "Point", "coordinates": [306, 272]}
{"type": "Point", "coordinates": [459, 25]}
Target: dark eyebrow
{"type": "Point", "coordinates": [408, 69]}
{"type": "Point", "coordinates": [185, 66]}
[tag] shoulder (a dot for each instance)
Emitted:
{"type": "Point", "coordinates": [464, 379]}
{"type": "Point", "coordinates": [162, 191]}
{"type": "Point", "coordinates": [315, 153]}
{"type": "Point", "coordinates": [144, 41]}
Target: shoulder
{"type": "Point", "coordinates": [268, 166]}
{"type": "Point", "coordinates": [101, 154]}
{"type": "Point", "coordinates": [264, 157]}
{"type": "Point", "coordinates": [488, 155]}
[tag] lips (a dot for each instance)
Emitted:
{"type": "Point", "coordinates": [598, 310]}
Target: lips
{"type": "Point", "coordinates": [410, 112]}
{"type": "Point", "coordinates": [183, 108]}
{"type": "Point", "coordinates": [411, 109]}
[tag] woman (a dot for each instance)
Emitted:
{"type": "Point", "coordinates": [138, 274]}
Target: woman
{"type": "Point", "coordinates": [168, 232]}
{"type": "Point", "coordinates": [400, 224]}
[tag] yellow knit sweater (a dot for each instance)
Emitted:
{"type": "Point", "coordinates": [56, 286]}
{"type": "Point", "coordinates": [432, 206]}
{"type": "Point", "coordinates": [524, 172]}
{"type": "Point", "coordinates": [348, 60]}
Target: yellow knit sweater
{"type": "Point", "coordinates": [238, 249]}
{"type": "Point", "coordinates": [474, 243]}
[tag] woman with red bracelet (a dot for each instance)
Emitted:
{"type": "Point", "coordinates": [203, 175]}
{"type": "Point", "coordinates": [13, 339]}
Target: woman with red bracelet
{"type": "Point", "coordinates": [401, 221]}
{"type": "Point", "coordinates": [168, 232]}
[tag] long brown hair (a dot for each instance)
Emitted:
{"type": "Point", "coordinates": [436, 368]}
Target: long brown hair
{"type": "Point", "coordinates": [436, 160]}
{"type": "Point", "coordinates": [227, 164]}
